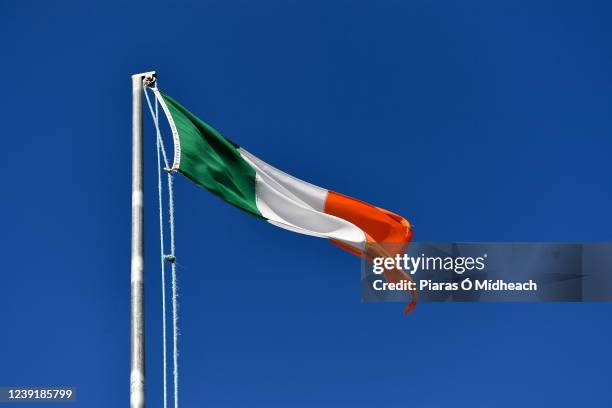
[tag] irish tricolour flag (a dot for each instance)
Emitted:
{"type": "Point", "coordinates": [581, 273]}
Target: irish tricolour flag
{"type": "Point", "coordinates": [229, 171]}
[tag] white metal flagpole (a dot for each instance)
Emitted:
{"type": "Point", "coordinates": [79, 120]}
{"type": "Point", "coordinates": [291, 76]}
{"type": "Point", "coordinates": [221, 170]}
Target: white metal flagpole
{"type": "Point", "coordinates": [137, 360]}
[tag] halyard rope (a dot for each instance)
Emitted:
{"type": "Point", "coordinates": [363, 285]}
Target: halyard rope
{"type": "Point", "coordinates": [161, 154]}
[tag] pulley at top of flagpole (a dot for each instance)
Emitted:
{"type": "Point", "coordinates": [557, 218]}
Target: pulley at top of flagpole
{"type": "Point", "coordinates": [146, 75]}
{"type": "Point", "coordinates": [149, 79]}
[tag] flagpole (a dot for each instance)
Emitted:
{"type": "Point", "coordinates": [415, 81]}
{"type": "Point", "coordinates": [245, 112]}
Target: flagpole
{"type": "Point", "coordinates": [137, 359]}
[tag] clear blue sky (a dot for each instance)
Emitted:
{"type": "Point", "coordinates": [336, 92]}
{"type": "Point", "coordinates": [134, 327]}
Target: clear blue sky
{"type": "Point", "coordinates": [478, 121]}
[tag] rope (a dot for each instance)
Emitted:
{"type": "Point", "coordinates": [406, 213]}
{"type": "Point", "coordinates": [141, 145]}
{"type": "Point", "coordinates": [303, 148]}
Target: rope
{"type": "Point", "coordinates": [161, 246]}
{"type": "Point", "coordinates": [155, 114]}
{"type": "Point", "coordinates": [171, 257]}
{"type": "Point", "coordinates": [174, 289]}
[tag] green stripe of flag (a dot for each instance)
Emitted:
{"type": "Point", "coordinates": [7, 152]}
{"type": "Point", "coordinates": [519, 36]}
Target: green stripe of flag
{"type": "Point", "coordinates": [211, 160]}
